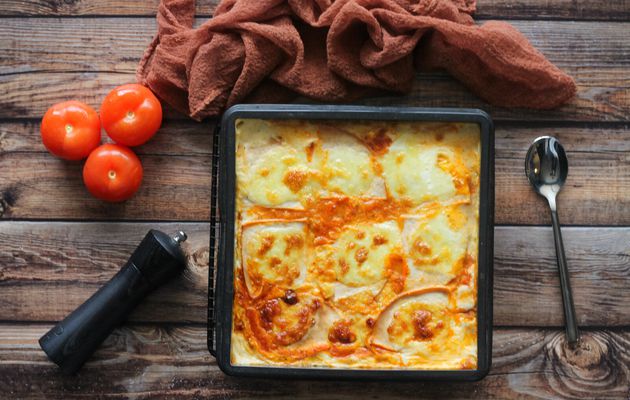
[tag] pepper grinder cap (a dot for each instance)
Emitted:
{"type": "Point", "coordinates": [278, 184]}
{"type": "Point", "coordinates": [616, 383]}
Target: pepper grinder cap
{"type": "Point", "coordinates": [159, 257]}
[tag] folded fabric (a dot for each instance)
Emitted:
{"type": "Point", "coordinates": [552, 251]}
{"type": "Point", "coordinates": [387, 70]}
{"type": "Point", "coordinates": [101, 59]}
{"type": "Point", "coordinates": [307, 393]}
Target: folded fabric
{"type": "Point", "coordinates": [339, 50]}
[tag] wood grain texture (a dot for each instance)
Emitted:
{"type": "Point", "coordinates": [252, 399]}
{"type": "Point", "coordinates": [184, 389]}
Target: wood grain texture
{"type": "Point", "coordinates": [617, 10]}
{"type": "Point", "coordinates": [177, 168]}
{"type": "Point", "coordinates": [116, 44]}
{"type": "Point", "coordinates": [37, 185]}
{"type": "Point", "coordinates": [43, 62]}
{"type": "Point", "coordinates": [175, 138]}
{"type": "Point", "coordinates": [64, 263]}
{"type": "Point", "coordinates": [172, 362]}
{"type": "Point", "coordinates": [601, 10]}
{"type": "Point", "coordinates": [596, 190]}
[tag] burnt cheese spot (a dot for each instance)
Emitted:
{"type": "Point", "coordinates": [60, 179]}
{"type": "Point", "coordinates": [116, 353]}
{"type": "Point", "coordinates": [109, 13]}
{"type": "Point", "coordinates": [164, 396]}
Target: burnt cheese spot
{"type": "Point", "coordinates": [469, 363]}
{"type": "Point", "coordinates": [340, 332]}
{"type": "Point", "coordinates": [378, 142]}
{"type": "Point", "coordinates": [320, 240]}
{"type": "Point", "coordinates": [293, 242]}
{"type": "Point", "coordinates": [361, 255]}
{"type": "Point", "coordinates": [343, 265]}
{"type": "Point", "coordinates": [295, 180]}
{"type": "Point", "coordinates": [421, 319]}
{"type": "Point", "coordinates": [268, 311]}
{"type": "Point", "coordinates": [421, 247]}
{"type": "Point", "coordinates": [443, 161]}
{"type": "Point", "coordinates": [265, 245]}
{"type": "Point", "coordinates": [442, 129]}
{"type": "Point", "coordinates": [462, 183]}
{"type": "Point", "coordinates": [397, 271]}
{"type": "Point", "coordinates": [378, 240]}
{"type": "Point", "coordinates": [290, 297]}
{"type": "Point", "coordinates": [309, 151]}
{"type": "Point", "coordinates": [238, 324]}
{"type": "Point", "coordinates": [274, 262]}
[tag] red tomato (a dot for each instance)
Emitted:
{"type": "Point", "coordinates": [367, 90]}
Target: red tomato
{"type": "Point", "coordinates": [112, 173]}
{"type": "Point", "coordinates": [71, 130]}
{"type": "Point", "coordinates": [131, 114]}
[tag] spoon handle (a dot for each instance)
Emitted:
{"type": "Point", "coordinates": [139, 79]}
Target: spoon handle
{"type": "Point", "coordinates": [565, 284]}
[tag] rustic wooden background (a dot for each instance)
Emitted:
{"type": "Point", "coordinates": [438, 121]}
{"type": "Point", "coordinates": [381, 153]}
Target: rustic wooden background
{"type": "Point", "coordinates": [58, 245]}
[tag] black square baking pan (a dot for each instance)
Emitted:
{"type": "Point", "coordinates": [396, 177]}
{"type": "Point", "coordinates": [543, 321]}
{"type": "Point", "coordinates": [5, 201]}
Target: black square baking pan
{"type": "Point", "coordinates": [222, 238]}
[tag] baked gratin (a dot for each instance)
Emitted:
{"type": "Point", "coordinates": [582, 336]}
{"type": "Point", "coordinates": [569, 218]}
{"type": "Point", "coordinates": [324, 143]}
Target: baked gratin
{"type": "Point", "coordinates": [356, 244]}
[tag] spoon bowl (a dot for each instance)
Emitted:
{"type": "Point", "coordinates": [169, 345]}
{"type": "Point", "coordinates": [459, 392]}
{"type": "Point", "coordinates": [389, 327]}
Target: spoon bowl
{"type": "Point", "coordinates": [546, 166]}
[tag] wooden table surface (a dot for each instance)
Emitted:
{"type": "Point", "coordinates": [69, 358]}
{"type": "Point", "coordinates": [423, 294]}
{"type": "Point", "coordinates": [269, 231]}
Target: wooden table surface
{"type": "Point", "coordinates": [58, 245]}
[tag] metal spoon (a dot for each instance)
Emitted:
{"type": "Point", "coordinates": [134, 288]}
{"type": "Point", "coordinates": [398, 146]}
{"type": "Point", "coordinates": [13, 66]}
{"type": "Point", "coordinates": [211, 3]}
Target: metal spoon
{"type": "Point", "coordinates": [546, 167]}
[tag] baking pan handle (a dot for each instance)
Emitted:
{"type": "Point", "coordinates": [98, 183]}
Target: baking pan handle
{"type": "Point", "coordinates": [214, 238]}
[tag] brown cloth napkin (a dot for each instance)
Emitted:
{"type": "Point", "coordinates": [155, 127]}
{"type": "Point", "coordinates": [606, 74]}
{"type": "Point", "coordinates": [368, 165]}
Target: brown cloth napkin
{"type": "Point", "coordinates": [339, 50]}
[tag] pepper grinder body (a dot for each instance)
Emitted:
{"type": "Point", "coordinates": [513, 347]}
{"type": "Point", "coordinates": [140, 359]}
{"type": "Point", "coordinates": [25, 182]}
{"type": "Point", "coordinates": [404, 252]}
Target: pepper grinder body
{"type": "Point", "coordinates": [72, 341]}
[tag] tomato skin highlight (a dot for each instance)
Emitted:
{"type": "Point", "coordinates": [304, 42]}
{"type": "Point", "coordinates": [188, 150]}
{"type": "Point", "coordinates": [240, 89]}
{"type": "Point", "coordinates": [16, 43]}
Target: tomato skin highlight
{"type": "Point", "coordinates": [131, 114]}
{"type": "Point", "coordinates": [112, 173]}
{"type": "Point", "coordinates": [71, 130]}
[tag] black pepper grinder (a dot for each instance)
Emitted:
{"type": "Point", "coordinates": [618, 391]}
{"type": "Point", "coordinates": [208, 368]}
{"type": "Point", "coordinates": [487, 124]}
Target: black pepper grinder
{"type": "Point", "coordinates": [157, 259]}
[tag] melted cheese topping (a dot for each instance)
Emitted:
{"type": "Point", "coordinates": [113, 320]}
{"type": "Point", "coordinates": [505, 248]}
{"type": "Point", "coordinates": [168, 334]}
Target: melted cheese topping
{"type": "Point", "coordinates": [356, 244]}
{"type": "Point", "coordinates": [436, 243]}
{"type": "Point", "coordinates": [360, 253]}
{"type": "Point", "coordinates": [273, 254]}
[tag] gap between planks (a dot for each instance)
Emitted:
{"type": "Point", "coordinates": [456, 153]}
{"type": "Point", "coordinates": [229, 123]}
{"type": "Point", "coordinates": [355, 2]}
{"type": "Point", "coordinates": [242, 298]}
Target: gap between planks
{"type": "Point", "coordinates": [599, 10]}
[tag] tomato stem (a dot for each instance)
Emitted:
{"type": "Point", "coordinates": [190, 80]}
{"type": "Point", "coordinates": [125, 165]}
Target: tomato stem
{"type": "Point", "coordinates": [68, 128]}
{"type": "Point", "coordinates": [111, 174]}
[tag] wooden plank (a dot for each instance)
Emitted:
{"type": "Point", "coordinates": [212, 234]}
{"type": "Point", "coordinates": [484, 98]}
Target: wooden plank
{"type": "Point", "coordinates": [116, 45]}
{"type": "Point", "coordinates": [602, 10]}
{"type": "Point", "coordinates": [37, 185]}
{"type": "Point", "coordinates": [596, 189]}
{"type": "Point", "coordinates": [175, 138]}
{"type": "Point", "coordinates": [93, 8]}
{"type": "Point", "coordinates": [595, 193]}
{"type": "Point", "coordinates": [166, 362]}
{"type": "Point", "coordinates": [43, 62]}
{"type": "Point", "coordinates": [618, 10]}
{"type": "Point", "coordinates": [66, 262]}
{"type": "Point", "coordinates": [526, 285]}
